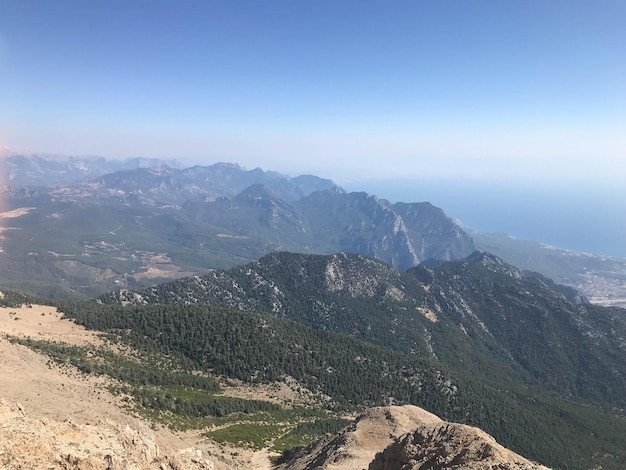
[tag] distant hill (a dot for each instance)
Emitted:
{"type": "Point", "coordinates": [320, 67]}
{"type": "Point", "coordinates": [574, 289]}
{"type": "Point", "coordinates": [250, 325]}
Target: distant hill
{"type": "Point", "coordinates": [47, 171]}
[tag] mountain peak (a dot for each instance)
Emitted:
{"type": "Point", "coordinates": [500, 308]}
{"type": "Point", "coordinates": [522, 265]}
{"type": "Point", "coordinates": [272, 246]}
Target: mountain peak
{"type": "Point", "coordinates": [493, 263]}
{"type": "Point", "coordinates": [398, 437]}
{"type": "Point", "coordinates": [256, 191]}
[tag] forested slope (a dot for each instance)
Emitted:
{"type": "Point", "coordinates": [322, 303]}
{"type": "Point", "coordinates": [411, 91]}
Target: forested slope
{"type": "Point", "coordinates": [474, 341]}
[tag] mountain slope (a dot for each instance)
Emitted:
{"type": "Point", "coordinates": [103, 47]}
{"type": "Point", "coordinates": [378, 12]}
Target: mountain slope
{"type": "Point", "coordinates": [570, 348]}
{"type": "Point", "coordinates": [512, 344]}
{"type": "Point", "coordinates": [458, 312]}
{"type": "Point", "coordinates": [432, 233]}
{"type": "Point", "coordinates": [602, 279]}
{"type": "Point", "coordinates": [257, 213]}
{"type": "Point", "coordinates": [58, 422]}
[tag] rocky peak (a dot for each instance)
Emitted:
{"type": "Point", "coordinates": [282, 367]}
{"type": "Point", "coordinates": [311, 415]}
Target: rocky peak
{"type": "Point", "coordinates": [255, 192]}
{"type": "Point", "coordinates": [494, 264]}
{"type": "Point", "coordinates": [357, 275]}
{"type": "Point", "coordinates": [449, 445]}
{"type": "Point", "coordinates": [403, 438]}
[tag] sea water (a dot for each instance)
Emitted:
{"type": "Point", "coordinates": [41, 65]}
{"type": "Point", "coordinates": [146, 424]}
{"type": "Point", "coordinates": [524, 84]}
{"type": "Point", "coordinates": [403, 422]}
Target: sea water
{"type": "Point", "coordinates": [580, 215]}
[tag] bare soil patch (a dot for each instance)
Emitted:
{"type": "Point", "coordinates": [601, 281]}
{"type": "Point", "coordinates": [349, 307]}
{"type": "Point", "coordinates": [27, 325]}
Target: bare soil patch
{"type": "Point", "coordinates": [160, 265]}
{"type": "Point", "coordinates": [42, 322]}
{"type": "Point", "coordinates": [15, 212]}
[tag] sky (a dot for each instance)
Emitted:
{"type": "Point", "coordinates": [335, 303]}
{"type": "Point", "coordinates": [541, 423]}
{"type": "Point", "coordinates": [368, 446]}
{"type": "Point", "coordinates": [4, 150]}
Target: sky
{"type": "Point", "coordinates": [521, 91]}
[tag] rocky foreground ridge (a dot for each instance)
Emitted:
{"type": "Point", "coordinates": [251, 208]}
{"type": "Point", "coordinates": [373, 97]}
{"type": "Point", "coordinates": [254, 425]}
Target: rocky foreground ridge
{"type": "Point", "coordinates": [27, 442]}
{"type": "Point", "coordinates": [407, 438]}
{"type": "Point", "coordinates": [382, 438]}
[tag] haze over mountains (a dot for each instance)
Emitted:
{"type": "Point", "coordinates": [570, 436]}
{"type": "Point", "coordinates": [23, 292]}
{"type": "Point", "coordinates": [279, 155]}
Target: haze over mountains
{"type": "Point", "coordinates": [583, 214]}
{"type": "Point", "coordinates": [86, 225]}
{"type": "Point", "coordinates": [117, 227]}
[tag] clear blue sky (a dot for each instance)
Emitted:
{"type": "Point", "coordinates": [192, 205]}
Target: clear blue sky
{"type": "Point", "coordinates": [344, 89]}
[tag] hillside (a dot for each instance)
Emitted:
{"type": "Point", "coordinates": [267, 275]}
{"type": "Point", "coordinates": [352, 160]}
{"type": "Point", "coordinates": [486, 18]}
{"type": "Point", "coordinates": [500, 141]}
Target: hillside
{"type": "Point", "coordinates": [502, 339]}
{"type": "Point", "coordinates": [448, 312]}
{"type": "Point", "coordinates": [59, 414]}
{"type": "Point", "coordinates": [602, 279]}
{"type": "Point", "coordinates": [53, 416]}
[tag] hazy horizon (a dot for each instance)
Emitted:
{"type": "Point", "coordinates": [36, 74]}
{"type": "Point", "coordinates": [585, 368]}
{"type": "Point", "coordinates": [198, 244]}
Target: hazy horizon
{"type": "Point", "coordinates": [477, 90]}
{"type": "Point", "coordinates": [521, 94]}
{"type": "Point", "coordinates": [581, 216]}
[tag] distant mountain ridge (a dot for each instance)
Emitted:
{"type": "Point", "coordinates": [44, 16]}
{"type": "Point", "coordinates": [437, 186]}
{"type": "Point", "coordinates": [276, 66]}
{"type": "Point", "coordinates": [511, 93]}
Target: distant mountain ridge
{"type": "Point", "coordinates": [39, 170]}
{"type": "Point", "coordinates": [164, 184]}
{"type": "Point", "coordinates": [113, 224]}
{"type": "Point", "coordinates": [132, 226]}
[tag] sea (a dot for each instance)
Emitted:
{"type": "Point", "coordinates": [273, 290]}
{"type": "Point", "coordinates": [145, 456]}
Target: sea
{"type": "Point", "coordinates": [586, 216]}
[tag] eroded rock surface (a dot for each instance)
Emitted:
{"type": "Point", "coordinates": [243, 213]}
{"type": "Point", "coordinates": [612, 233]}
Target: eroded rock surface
{"type": "Point", "coordinates": [407, 438]}
{"type": "Point", "coordinates": [27, 442]}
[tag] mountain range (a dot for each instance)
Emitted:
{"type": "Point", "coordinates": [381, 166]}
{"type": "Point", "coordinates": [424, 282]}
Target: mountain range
{"type": "Point", "coordinates": [82, 226]}
{"type": "Point", "coordinates": [137, 226]}
{"type": "Point", "coordinates": [351, 300]}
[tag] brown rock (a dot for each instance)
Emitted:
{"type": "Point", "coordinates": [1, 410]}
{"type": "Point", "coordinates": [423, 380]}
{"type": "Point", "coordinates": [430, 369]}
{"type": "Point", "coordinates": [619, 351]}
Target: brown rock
{"type": "Point", "coordinates": [407, 438]}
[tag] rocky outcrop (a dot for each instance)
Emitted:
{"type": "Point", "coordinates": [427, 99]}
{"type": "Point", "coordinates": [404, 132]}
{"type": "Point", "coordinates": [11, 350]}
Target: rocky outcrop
{"type": "Point", "coordinates": [449, 445]}
{"type": "Point", "coordinates": [406, 438]}
{"type": "Point", "coordinates": [27, 442]}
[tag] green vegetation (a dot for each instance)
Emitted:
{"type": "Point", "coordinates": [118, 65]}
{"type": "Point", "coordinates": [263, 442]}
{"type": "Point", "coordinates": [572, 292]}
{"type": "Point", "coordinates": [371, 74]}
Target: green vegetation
{"type": "Point", "coordinates": [512, 354]}
{"type": "Point", "coordinates": [285, 429]}
{"type": "Point", "coordinates": [525, 327]}
{"type": "Point", "coordinates": [148, 369]}
{"type": "Point", "coordinates": [262, 348]}
{"type": "Point", "coordinates": [15, 299]}
{"type": "Point", "coordinates": [184, 399]}
{"type": "Point", "coordinates": [307, 432]}
{"type": "Point", "coordinates": [254, 435]}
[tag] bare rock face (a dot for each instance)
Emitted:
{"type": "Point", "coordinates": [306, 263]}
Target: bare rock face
{"type": "Point", "coordinates": [45, 443]}
{"type": "Point", "coordinates": [356, 446]}
{"type": "Point", "coordinates": [406, 438]}
{"type": "Point", "coordinates": [449, 445]}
